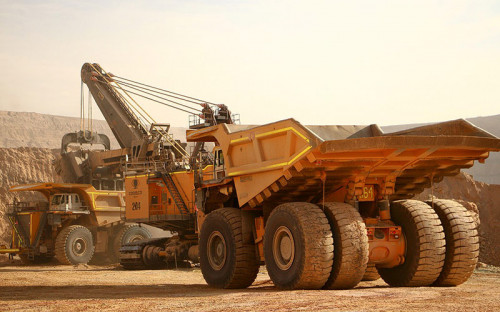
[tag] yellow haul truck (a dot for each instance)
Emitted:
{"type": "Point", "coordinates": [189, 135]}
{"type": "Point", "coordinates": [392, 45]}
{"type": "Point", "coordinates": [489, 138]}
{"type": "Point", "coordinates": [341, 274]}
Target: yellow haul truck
{"type": "Point", "coordinates": [76, 223]}
{"type": "Point", "coordinates": [321, 206]}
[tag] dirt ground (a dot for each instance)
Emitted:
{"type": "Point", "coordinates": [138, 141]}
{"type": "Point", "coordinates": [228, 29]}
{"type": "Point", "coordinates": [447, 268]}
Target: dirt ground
{"type": "Point", "coordinates": [109, 288]}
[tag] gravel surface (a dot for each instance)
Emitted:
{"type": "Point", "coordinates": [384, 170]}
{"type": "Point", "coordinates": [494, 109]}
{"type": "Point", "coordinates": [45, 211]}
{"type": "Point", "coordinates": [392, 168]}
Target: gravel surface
{"type": "Point", "coordinates": [109, 288]}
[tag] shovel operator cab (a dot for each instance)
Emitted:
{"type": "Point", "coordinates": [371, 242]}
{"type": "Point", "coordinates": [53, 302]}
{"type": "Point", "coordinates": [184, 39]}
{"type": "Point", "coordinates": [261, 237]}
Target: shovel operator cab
{"type": "Point", "coordinates": [75, 223]}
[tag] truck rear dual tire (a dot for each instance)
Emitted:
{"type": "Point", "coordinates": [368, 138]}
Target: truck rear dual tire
{"type": "Point", "coordinates": [350, 254]}
{"type": "Point", "coordinates": [226, 260]}
{"type": "Point", "coordinates": [425, 245]}
{"type": "Point", "coordinates": [462, 242]}
{"type": "Point", "coordinates": [74, 245]}
{"type": "Point", "coordinates": [298, 246]}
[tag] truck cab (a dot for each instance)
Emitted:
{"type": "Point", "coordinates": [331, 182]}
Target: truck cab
{"type": "Point", "coordinates": [68, 202]}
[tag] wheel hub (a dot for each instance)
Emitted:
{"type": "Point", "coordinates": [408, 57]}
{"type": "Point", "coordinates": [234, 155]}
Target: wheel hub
{"type": "Point", "coordinates": [283, 248]}
{"type": "Point", "coordinates": [216, 250]}
{"type": "Point", "coordinates": [79, 246]}
{"type": "Point", "coordinates": [135, 238]}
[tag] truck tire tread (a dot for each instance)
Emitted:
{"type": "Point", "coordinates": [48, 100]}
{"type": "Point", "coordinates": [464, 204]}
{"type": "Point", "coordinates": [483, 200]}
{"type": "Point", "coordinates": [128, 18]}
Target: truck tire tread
{"type": "Point", "coordinates": [462, 242]}
{"type": "Point", "coordinates": [60, 245]}
{"type": "Point", "coordinates": [425, 245]}
{"type": "Point", "coordinates": [350, 256]}
{"type": "Point", "coordinates": [246, 266]}
{"type": "Point", "coordinates": [317, 240]}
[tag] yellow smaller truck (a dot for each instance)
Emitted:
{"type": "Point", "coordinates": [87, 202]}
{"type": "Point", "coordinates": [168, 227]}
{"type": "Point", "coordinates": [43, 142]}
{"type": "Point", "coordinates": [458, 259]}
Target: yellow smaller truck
{"type": "Point", "coordinates": [75, 224]}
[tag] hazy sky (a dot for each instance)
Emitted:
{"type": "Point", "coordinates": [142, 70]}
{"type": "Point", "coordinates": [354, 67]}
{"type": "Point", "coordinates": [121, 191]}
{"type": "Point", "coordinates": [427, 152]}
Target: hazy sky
{"type": "Point", "coordinates": [321, 62]}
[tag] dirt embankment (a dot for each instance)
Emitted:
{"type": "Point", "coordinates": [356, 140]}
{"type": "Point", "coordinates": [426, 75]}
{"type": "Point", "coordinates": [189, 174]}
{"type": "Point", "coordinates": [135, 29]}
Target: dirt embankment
{"type": "Point", "coordinates": [46, 131]}
{"type": "Point", "coordinates": [19, 166]}
{"type": "Point", "coordinates": [473, 193]}
{"type": "Point", "coordinates": [40, 130]}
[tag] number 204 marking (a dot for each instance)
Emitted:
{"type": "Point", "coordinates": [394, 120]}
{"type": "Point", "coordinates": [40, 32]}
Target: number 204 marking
{"type": "Point", "coordinates": [136, 206]}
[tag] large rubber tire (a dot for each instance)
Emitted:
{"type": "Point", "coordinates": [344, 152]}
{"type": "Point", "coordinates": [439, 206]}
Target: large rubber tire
{"type": "Point", "coordinates": [74, 245]}
{"type": "Point", "coordinates": [126, 234]}
{"type": "Point", "coordinates": [371, 273]}
{"type": "Point", "coordinates": [350, 253]}
{"type": "Point", "coordinates": [226, 260]}
{"type": "Point", "coordinates": [298, 246]}
{"type": "Point", "coordinates": [425, 245]}
{"type": "Point", "coordinates": [462, 242]}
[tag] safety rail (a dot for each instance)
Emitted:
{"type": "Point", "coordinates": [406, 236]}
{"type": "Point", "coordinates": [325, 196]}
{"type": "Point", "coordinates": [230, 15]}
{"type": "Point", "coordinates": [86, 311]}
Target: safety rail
{"type": "Point", "coordinates": [197, 121]}
{"type": "Point", "coordinates": [79, 209]}
{"type": "Point", "coordinates": [26, 207]}
{"type": "Point", "coordinates": [133, 168]}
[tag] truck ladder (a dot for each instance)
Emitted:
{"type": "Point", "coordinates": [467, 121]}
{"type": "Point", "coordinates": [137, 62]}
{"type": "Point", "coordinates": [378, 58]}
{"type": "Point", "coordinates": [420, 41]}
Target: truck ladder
{"type": "Point", "coordinates": [176, 195]}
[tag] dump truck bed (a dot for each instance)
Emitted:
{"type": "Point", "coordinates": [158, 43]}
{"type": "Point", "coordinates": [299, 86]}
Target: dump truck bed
{"type": "Point", "coordinates": [286, 161]}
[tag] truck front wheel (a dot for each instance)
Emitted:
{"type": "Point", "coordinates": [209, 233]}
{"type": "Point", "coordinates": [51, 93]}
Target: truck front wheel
{"type": "Point", "coordinates": [226, 260]}
{"type": "Point", "coordinates": [298, 246]}
{"type": "Point", "coordinates": [74, 245]}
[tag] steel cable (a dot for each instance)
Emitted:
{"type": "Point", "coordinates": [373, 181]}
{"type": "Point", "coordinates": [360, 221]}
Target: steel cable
{"type": "Point", "coordinates": [188, 97]}
{"type": "Point", "coordinates": [168, 100]}
{"type": "Point", "coordinates": [151, 99]}
{"type": "Point", "coordinates": [163, 93]}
